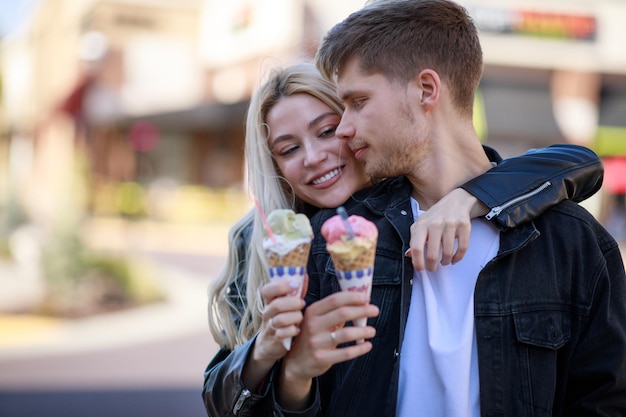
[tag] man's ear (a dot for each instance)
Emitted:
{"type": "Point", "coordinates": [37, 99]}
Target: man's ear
{"type": "Point", "coordinates": [430, 84]}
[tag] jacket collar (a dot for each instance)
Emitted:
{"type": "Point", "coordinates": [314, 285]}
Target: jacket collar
{"type": "Point", "coordinates": [386, 195]}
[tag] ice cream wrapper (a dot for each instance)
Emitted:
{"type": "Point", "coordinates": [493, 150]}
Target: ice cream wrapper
{"type": "Point", "coordinates": [359, 280]}
{"type": "Point", "coordinates": [291, 267]}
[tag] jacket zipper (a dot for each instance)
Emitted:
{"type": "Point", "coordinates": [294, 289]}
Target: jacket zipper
{"type": "Point", "coordinates": [245, 394]}
{"type": "Point", "coordinates": [498, 209]}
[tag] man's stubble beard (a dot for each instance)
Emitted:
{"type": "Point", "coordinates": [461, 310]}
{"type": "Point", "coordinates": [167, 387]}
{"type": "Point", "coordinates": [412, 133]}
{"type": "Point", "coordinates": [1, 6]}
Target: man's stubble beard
{"type": "Point", "coordinates": [398, 157]}
{"type": "Point", "coordinates": [392, 163]}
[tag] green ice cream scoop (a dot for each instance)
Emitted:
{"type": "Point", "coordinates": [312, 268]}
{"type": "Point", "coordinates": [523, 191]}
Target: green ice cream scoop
{"type": "Point", "coordinates": [289, 225]}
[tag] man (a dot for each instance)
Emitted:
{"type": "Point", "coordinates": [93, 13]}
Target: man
{"type": "Point", "coordinates": [531, 322]}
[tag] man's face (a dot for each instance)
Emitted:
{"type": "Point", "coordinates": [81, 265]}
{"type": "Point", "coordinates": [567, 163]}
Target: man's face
{"type": "Point", "coordinates": [381, 121]}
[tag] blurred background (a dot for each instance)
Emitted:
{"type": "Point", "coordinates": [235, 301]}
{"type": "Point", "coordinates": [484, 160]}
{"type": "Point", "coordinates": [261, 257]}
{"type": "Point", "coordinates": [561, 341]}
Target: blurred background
{"type": "Point", "coordinates": [122, 168]}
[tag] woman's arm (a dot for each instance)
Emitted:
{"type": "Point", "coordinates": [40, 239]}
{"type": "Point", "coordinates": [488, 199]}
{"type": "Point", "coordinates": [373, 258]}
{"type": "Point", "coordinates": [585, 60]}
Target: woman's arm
{"type": "Point", "coordinates": [514, 191]}
{"type": "Point", "coordinates": [225, 393]}
{"type": "Point", "coordinates": [236, 380]}
{"type": "Point", "coordinates": [519, 189]}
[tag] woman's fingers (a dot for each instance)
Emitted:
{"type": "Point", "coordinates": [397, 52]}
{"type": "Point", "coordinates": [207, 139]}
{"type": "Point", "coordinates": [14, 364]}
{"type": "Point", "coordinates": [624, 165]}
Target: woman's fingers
{"type": "Point", "coordinates": [441, 234]}
{"type": "Point", "coordinates": [281, 316]}
{"type": "Point", "coordinates": [305, 285]}
{"type": "Point", "coordinates": [279, 288]}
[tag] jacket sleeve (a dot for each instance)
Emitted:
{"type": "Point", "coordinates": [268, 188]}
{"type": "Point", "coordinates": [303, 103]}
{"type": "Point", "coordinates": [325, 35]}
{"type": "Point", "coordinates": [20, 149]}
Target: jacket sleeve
{"type": "Point", "coordinates": [600, 389]}
{"type": "Point", "coordinates": [224, 393]}
{"type": "Point", "coordinates": [314, 410]}
{"type": "Point", "coordinates": [519, 189]}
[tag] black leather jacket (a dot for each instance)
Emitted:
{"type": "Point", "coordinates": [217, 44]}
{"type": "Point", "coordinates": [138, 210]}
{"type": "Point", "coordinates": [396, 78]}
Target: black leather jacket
{"type": "Point", "coordinates": [533, 183]}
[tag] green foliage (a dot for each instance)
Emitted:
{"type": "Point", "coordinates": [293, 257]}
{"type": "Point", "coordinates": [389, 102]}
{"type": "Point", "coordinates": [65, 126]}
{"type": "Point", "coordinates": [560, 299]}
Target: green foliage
{"type": "Point", "coordinates": [81, 283]}
{"type": "Point", "coordinates": [12, 215]}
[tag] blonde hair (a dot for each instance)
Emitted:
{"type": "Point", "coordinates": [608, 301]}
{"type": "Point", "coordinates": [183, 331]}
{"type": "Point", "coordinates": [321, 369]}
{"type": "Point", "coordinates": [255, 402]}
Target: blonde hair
{"type": "Point", "coordinates": [230, 326]}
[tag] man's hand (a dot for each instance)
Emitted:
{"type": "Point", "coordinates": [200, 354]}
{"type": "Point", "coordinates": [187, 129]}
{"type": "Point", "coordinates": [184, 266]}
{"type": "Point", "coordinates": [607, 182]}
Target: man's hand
{"type": "Point", "coordinates": [316, 349]}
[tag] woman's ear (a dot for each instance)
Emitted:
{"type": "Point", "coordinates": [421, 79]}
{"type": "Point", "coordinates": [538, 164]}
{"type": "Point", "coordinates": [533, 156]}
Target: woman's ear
{"type": "Point", "coordinates": [430, 84]}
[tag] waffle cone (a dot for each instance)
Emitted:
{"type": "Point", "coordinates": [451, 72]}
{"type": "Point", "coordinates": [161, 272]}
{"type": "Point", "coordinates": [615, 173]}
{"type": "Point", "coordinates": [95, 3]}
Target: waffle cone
{"type": "Point", "coordinates": [299, 256]}
{"type": "Point", "coordinates": [363, 261]}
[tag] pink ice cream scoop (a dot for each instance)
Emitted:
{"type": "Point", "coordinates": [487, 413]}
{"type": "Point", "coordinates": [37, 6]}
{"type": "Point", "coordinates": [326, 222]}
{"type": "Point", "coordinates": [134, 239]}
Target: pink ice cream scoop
{"type": "Point", "coordinates": [334, 229]}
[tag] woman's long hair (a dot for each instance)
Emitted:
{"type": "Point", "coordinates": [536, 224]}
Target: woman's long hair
{"type": "Point", "coordinates": [231, 325]}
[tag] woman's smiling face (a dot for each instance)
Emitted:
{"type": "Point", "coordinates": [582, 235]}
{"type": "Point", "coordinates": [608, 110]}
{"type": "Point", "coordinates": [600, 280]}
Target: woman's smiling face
{"type": "Point", "coordinates": [320, 167]}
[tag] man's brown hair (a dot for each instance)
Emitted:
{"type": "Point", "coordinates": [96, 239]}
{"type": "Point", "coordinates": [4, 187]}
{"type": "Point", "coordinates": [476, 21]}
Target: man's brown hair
{"type": "Point", "coordinates": [400, 38]}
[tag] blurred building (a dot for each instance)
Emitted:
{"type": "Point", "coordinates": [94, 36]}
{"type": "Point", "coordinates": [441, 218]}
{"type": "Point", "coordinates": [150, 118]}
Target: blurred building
{"type": "Point", "coordinates": [555, 71]}
{"type": "Point", "coordinates": [156, 91]}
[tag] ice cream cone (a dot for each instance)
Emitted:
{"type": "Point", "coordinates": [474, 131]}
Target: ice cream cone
{"type": "Point", "coordinates": [347, 262]}
{"type": "Point", "coordinates": [352, 248]}
{"type": "Point", "coordinates": [287, 249]}
{"type": "Point", "coordinates": [299, 256]}
{"type": "Point", "coordinates": [290, 266]}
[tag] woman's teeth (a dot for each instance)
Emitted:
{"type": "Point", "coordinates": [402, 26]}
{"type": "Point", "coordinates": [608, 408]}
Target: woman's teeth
{"type": "Point", "coordinates": [327, 177]}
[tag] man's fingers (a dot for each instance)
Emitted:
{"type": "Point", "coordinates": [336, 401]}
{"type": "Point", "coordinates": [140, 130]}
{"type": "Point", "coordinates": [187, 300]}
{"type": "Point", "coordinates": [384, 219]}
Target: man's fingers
{"type": "Point", "coordinates": [342, 315]}
{"type": "Point", "coordinates": [328, 314]}
{"type": "Point", "coordinates": [349, 334]}
{"type": "Point", "coordinates": [337, 300]}
{"type": "Point", "coordinates": [347, 353]}
{"type": "Point", "coordinates": [305, 285]}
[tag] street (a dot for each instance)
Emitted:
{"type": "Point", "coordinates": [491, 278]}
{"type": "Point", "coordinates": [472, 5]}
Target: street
{"type": "Point", "coordinates": [142, 363]}
{"type": "Point", "coordinates": [158, 379]}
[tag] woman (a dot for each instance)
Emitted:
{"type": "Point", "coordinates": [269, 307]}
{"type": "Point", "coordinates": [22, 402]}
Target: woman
{"type": "Point", "coordinates": [295, 161]}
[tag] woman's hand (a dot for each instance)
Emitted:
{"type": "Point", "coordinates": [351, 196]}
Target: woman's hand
{"type": "Point", "coordinates": [442, 233]}
{"type": "Point", "coordinates": [281, 317]}
{"type": "Point", "coordinates": [281, 320]}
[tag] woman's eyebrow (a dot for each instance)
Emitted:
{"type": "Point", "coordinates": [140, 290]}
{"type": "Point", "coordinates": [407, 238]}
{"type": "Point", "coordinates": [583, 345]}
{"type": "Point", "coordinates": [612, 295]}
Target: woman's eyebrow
{"type": "Point", "coordinates": [321, 117]}
{"type": "Point", "coordinates": [279, 139]}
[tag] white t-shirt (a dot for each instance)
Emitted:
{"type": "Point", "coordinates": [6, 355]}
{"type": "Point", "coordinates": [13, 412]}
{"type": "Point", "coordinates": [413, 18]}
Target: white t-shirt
{"type": "Point", "coordinates": [439, 363]}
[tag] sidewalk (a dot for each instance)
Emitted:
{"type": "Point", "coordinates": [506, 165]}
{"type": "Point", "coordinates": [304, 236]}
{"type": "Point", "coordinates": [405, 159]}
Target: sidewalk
{"type": "Point", "coordinates": [183, 312]}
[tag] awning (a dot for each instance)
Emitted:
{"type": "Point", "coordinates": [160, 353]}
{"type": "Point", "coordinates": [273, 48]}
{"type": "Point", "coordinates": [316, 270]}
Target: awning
{"type": "Point", "coordinates": [208, 116]}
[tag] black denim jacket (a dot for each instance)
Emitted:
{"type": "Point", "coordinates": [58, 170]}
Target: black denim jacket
{"type": "Point", "coordinates": [550, 316]}
{"type": "Point", "coordinates": [559, 172]}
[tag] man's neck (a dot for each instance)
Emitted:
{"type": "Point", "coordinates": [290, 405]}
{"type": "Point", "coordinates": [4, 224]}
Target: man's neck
{"type": "Point", "coordinates": [446, 173]}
